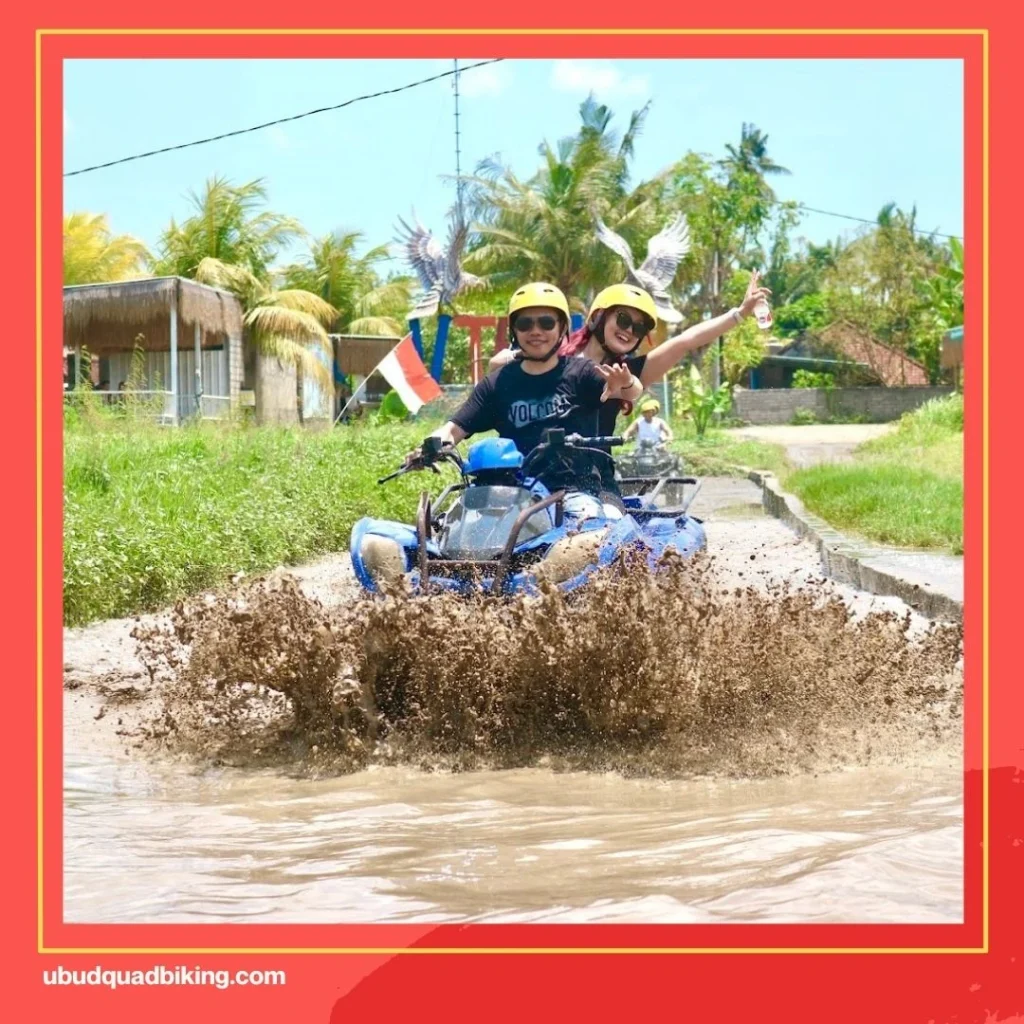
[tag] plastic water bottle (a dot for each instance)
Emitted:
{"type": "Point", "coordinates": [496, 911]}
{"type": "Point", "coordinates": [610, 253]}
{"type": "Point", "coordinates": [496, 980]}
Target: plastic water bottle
{"type": "Point", "coordinates": [763, 314]}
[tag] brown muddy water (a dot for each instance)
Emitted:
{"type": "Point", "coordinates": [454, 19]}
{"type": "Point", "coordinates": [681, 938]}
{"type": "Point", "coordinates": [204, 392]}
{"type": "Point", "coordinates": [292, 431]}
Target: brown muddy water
{"type": "Point", "coordinates": [735, 741]}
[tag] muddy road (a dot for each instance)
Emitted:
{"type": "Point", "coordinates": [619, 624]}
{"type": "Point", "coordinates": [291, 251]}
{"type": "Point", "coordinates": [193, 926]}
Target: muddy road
{"type": "Point", "coordinates": [739, 741]}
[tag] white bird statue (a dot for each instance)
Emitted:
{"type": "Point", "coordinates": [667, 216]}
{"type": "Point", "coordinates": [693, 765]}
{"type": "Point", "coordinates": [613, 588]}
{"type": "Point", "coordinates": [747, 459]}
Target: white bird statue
{"type": "Point", "coordinates": [439, 270]}
{"type": "Point", "coordinates": [655, 274]}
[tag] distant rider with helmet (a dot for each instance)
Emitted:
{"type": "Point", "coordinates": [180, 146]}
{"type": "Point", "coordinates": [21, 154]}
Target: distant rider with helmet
{"type": "Point", "coordinates": [649, 427]}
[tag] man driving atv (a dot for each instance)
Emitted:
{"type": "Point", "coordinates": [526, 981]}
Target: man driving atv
{"type": "Point", "coordinates": [541, 390]}
{"type": "Point", "coordinates": [649, 427]}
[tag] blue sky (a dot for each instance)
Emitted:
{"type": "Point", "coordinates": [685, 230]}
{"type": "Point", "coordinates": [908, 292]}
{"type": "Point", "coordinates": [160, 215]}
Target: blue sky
{"type": "Point", "coordinates": [855, 133]}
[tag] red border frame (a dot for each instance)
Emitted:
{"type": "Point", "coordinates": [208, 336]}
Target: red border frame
{"type": "Point", "coordinates": [768, 980]}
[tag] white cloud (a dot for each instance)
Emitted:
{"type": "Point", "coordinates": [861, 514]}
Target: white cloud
{"type": "Point", "coordinates": [601, 79]}
{"type": "Point", "coordinates": [486, 81]}
{"type": "Point", "coordinates": [279, 137]}
{"type": "Point", "coordinates": [490, 80]}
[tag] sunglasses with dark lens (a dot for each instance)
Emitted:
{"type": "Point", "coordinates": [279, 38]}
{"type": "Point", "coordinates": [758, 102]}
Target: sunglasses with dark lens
{"type": "Point", "coordinates": [545, 323]}
{"type": "Point", "coordinates": [626, 323]}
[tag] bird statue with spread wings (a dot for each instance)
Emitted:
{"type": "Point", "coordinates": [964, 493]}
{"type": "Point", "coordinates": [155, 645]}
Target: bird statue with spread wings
{"type": "Point", "coordinates": [439, 270]}
{"type": "Point", "coordinates": [655, 274]}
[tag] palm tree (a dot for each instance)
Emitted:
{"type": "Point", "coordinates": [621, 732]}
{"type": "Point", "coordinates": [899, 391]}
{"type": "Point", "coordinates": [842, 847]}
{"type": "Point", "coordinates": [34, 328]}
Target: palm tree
{"type": "Point", "coordinates": [543, 228]}
{"type": "Point", "coordinates": [229, 243]}
{"type": "Point", "coordinates": [92, 254]}
{"type": "Point", "coordinates": [287, 323]}
{"type": "Point", "coordinates": [365, 303]}
{"type": "Point", "coordinates": [226, 226]}
{"type": "Point", "coordinates": [751, 155]}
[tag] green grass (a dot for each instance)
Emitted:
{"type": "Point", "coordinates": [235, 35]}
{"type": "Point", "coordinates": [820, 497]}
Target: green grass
{"type": "Point", "coordinates": [152, 515]}
{"type": "Point", "coordinates": [932, 436]}
{"type": "Point", "coordinates": [894, 503]}
{"type": "Point", "coordinates": [904, 488]}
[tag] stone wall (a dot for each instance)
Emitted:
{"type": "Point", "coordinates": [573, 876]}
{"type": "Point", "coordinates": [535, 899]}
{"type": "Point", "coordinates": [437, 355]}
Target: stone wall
{"type": "Point", "coordinates": [875, 405]}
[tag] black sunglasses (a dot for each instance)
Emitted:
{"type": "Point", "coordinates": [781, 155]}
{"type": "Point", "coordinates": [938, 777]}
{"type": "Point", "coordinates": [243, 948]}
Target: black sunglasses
{"type": "Point", "coordinates": [626, 323]}
{"type": "Point", "coordinates": [545, 323]}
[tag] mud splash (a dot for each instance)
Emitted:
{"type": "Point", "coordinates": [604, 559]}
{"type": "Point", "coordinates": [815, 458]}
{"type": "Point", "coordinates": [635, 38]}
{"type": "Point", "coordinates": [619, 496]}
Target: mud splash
{"type": "Point", "coordinates": [667, 674]}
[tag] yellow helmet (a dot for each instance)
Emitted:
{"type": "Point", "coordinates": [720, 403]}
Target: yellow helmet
{"type": "Point", "coordinates": [651, 405]}
{"type": "Point", "coordinates": [538, 293]}
{"type": "Point", "coordinates": [625, 295]}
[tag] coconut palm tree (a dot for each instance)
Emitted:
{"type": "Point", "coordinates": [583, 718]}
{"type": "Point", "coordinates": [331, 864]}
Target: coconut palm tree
{"type": "Point", "coordinates": [230, 243]}
{"type": "Point", "coordinates": [543, 228]}
{"type": "Point", "coordinates": [226, 225]}
{"type": "Point", "coordinates": [288, 323]}
{"type": "Point", "coordinates": [92, 254]}
{"type": "Point", "coordinates": [751, 155]}
{"type": "Point", "coordinates": [365, 303]}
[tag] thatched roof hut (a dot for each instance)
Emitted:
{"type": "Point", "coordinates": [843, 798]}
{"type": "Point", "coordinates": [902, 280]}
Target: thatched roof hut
{"type": "Point", "coordinates": [360, 353]}
{"type": "Point", "coordinates": [109, 317]}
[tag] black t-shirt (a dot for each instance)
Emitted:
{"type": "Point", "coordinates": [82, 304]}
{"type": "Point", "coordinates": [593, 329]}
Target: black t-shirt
{"type": "Point", "coordinates": [521, 406]}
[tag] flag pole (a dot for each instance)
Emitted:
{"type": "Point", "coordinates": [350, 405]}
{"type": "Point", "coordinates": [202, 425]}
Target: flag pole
{"type": "Point", "coordinates": [355, 393]}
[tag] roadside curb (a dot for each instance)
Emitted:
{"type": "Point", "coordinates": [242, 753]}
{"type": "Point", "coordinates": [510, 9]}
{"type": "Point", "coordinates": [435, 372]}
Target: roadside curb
{"type": "Point", "coordinates": [845, 559]}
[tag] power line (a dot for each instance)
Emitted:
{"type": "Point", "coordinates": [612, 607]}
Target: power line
{"type": "Point", "coordinates": [809, 209]}
{"type": "Point", "coordinates": [827, 213]}
{"type": "Point", "coordinates": [283, 120]}
{"type": "Point", "coordinates": [848, 216]}
{"type": "Point", "coordinates": [402, 88]}
{"type": "Point", "coordinates": [865, 220]}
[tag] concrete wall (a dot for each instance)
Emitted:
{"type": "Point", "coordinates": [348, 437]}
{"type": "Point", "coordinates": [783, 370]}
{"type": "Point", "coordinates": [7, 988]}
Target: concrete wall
{"type": "Point", "coordinates": [877, 405]}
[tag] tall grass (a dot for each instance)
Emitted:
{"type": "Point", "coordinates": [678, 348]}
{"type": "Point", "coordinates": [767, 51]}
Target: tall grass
{"type": "Point", "coordinates": [904, 488]}
{"type": "Point", "coordinates": [931, 436]}
{"type": "Point", "coordinates": [891, 502]}
{"type": "Point", "coordinates": [151, 514]}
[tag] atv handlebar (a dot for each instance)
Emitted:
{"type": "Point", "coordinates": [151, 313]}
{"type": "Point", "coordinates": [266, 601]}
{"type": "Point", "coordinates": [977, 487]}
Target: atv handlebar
{"type": "Point", "coordinates": [595, 442]}
{"type": "Point", "coordinates": [432, 450]}
{"type": "Point", "coordinates": [555, 440]}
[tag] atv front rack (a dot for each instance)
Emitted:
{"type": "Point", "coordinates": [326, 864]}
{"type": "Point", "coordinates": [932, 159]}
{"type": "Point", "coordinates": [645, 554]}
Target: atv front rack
{"type": "Point", "coordinates": [465, 568]}
{"type": "Point", "coordinates": [645, 483]}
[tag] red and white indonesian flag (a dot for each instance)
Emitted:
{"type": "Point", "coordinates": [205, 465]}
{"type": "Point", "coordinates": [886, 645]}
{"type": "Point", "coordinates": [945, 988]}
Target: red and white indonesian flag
{"type": "Point", "coordinates": [403, 369]}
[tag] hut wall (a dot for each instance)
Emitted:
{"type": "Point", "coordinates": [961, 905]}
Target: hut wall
{"type": "Point", "coordinates": [276, 391]}
{"type": "Point", "coordinates": [236, 368]}
{"type": "Point", "coordinates": [317, 402]}
{"type": "Point", "coordinates": [157, 373]}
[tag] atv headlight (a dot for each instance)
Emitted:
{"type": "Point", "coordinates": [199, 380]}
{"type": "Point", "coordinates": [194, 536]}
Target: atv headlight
{"type": "Point", "coordinates": [569, 556]}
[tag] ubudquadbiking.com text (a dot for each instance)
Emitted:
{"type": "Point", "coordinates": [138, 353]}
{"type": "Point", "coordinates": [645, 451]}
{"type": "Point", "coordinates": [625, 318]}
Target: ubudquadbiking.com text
{"type": "Point", "coordinates": [161, 975]}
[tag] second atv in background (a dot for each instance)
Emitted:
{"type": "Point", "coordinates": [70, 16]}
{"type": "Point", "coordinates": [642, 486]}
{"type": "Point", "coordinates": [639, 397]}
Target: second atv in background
{"type": "Point", "coordinates": [651, 463]}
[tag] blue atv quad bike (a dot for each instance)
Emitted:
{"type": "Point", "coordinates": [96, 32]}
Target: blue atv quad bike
{"type": "Point", "coordinates": [501, 531]}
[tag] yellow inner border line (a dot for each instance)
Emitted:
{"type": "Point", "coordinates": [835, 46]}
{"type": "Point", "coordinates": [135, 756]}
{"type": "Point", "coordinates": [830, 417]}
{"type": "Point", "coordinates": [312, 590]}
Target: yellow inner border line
{"type": "Point", "coordinates": [513, 32]}
{"type": "Point", "coordinates": [492, 950]}
{"type": "Point", "coordinates": [39, 487]}
{"type": "Point", "coordinates": [983, 33]}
